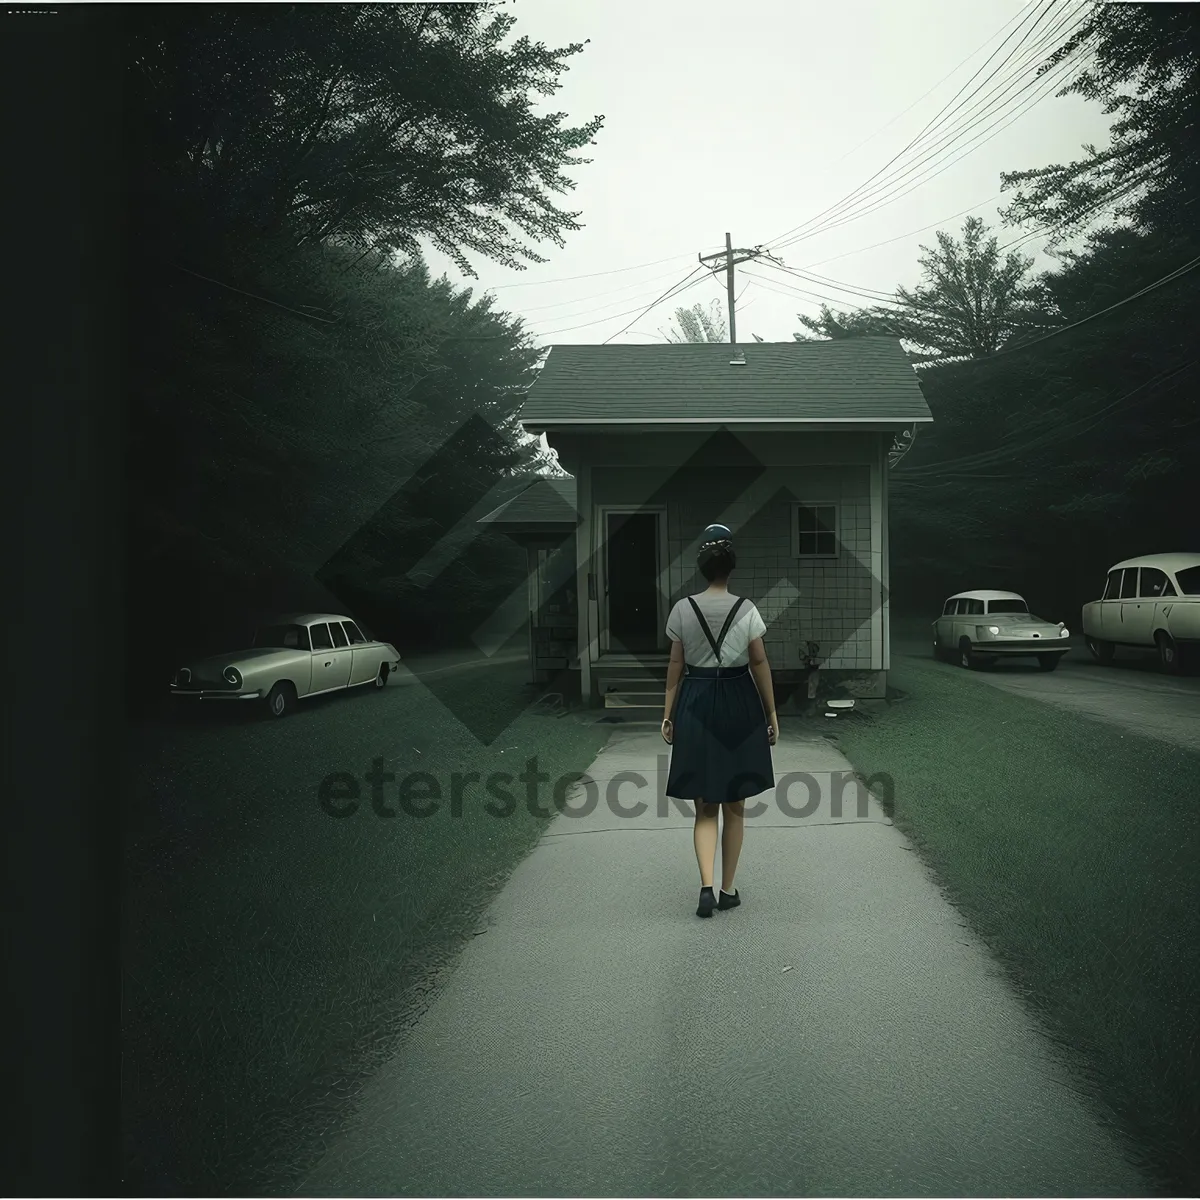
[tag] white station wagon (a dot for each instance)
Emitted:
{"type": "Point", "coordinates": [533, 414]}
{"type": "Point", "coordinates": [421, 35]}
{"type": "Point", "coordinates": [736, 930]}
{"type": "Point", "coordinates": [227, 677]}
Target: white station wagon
{"type": "Point", "coordinates": [977, 628]}
{"type": "Point", "coordinates": [1152, 602]}
{"type": "Point", "coordinates": [294, 657]}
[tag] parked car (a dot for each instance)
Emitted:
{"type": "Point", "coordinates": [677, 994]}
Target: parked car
{"type": "Point", "coordinates": [1152, 602]}
{"type": "Point", "coordinates": [294, 657]}
{"type": "Point", "coordinates": [979, 627]}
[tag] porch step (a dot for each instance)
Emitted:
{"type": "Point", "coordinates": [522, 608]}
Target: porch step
{"type": "Point", "coordinates": [644, 699]}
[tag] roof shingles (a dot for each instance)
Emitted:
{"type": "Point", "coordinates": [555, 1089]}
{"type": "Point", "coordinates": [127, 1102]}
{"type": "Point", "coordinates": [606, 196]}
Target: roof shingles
{"type": "Point", "coordinates": [868, 378]}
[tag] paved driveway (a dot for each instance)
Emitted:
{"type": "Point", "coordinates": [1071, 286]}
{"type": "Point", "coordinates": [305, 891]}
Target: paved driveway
{"type": "Point", "coordinates": [1133, 693]}
{"type": "Point", "coordinates": [840, 1034]}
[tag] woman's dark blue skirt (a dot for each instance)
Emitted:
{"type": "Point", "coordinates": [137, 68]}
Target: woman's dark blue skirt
{"type": "Point", "coordinates": [720, 750]}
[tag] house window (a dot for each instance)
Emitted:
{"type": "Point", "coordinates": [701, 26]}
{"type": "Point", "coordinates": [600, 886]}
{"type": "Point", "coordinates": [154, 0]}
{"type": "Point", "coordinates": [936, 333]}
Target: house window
{"type": "Point", "coordinates": [814, 530]}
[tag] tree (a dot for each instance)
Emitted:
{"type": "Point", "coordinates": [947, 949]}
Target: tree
{"type": "Point", "coordinates": [1146, 68]}
{"type": "Point", "coordinates": [699, 325]}
{"type": "Point", "coordinates": [970, 303]}
{"type": "Point", "coordinates": [833, 326]}
{"type": "Point", "coordinates": [366, 124]}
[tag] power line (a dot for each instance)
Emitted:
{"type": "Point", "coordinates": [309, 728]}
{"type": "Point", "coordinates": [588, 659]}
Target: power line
{"type": "Point", "coordinates": [1178, 273]}
{"type": "Point", "coordinates": [612, 316]}
{"type": "Point", "coordinates": [910, 233]}
{"type": "Point", "coordinates": [1060, 433]}
{"type": "Point", "coordinates": [1170, 277]}
{"type": "Point", "coordinates": [681, 286]}
{"type": "Point", "coordinates": [599, 309]}
{"type": "Point", "coordinates": [933, 89]}
{"type": "Point", "coordinates": [593, 275]}
{"type": "Point", "coordinates": [885, 192]}
{"type": "Point", "coordinates": [779, 240]}
{"type": "Point", "coordinates": [584, 299]}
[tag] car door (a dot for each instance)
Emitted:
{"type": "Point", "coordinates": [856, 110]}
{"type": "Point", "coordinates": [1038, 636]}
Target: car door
{"type": "Point", "coordinates": [1138, 614]}
{"type": "Point", "coordinates": [942, 624]}
{"type": "Point", "coordinates": [343, 656]}
{"type": "Point", "coordinates": [1127, 625]}
{"type": "Point", "coordinates": [1109, 608]}
{"type": "Point", "coordinates": [330, 664]}
{"type": "Point", "coordinates": [366, 655]}
{"type": "Point", "coordinates": [954, 622]}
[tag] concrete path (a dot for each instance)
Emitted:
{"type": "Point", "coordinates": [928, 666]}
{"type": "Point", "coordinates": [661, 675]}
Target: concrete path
{"type": "Point", "coordinates": [840, 1034]}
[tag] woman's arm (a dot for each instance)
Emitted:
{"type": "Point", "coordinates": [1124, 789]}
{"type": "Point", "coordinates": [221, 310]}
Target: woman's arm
{"type": "Point", "coordinates": [761, 670]}
{"type": "Point", "coordinates": [674, 674]}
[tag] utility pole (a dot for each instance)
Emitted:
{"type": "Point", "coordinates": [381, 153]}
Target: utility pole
{"type": "Point", "coordinates": [730, 263]}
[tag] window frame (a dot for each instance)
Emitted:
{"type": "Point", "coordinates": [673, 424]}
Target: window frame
{"type": "Point", "coordinates": [797, 505]}
{"type": "Point", "coordinates": [1166, 583]}
{"type": "Point", "coordinates": [313, 642]}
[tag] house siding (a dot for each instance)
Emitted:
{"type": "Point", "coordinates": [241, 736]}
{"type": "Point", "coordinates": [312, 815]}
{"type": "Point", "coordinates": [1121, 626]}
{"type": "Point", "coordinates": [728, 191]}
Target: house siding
{"type": "Point", "coordinates": [838, 601]}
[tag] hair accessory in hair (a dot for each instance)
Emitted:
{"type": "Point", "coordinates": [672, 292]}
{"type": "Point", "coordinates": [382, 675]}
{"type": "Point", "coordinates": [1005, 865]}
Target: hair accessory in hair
{"type": "Point", "coordinates": [716, 535]}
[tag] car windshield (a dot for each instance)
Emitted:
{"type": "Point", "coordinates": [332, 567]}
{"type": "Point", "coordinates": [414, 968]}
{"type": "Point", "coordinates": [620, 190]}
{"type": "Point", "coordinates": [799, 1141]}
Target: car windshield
{"type": "Point", "coordinates": [282, 637]}
{"type": "Point", "coordinates": [1007, 606]}
{"type": "Point", "coordinates": [1189, 581]}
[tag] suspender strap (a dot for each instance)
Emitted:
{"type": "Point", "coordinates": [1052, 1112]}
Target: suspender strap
{"type": "Point", "coordinates": [716, 645]}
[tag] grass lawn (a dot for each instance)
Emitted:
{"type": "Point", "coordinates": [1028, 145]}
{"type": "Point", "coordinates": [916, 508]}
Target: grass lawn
{"type": "Point", "coordinates": [1071, 848]}
{"type": "Point", "coordinates": [273, 954]}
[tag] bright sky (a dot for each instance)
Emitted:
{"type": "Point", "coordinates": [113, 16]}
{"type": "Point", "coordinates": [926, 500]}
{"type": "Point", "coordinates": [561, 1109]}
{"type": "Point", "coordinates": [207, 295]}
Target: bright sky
{"type": "Point", "coordinates": [756, 119]}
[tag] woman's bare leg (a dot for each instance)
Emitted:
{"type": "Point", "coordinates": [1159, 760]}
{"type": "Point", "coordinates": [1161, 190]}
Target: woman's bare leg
{"type": "Point", "coordinates": [731, 842]}
{"type": "Point", "coordinates": [705, 838]}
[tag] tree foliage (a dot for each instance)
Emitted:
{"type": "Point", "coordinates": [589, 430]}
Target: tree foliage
{"type": "Point", "coordinates": [699, 324]}
{"type": "Point", "coordinates": [1147, 71]}
{"type": "Point", "coordinates": [367, 124]}
{"type": "Point", "coordinates": [294, 362]}
{"type": "Point", "coordinates": [970, 303]}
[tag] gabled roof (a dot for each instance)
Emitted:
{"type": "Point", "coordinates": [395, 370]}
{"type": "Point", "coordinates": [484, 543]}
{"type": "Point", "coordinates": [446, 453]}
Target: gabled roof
{"type": "Point", "coordinates": [548, 500]}
{"type": "Point", "coordinates": [848, 381]}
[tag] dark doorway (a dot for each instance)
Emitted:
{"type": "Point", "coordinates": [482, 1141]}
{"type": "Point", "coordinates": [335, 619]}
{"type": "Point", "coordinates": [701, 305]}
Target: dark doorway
{"type": "Point", "coordinates": [631, 575]}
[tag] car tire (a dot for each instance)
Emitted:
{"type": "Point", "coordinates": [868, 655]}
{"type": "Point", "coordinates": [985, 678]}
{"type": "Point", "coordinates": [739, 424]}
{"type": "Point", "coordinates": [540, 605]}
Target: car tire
{"type": "Point", "coordinates": [382, 678]}
{"type": "Point", "coordinates": [1102, 652]}
{"type": "Point", "coordinates": [1168, 653]}
{"type": "Point", "coordinates": [966, 657]}
{"type": "Point", "coordinates": [1049, 662]}
{"type": "Point", "coordinates": [281, 699]}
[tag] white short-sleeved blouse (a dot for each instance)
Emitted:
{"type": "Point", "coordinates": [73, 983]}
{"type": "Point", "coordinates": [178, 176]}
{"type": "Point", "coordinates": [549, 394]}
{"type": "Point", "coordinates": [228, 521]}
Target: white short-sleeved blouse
{"type": "Point", "coordinates": [682, 626]}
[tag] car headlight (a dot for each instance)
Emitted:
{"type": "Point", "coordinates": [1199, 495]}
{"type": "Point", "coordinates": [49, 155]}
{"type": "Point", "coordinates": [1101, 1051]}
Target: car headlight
{"type": "Point", "coordinates": [182, 676]}
{"type": "Point", "coordinates": [232, 676]}
{"type": "Point", "coordinates": [1064, 632]}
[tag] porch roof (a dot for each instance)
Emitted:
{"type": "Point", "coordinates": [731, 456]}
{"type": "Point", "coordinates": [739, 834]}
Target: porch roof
{"type": "Point", "coordinates": [851, 382]}
{"type": "Point", "coordinates": [548, 501]}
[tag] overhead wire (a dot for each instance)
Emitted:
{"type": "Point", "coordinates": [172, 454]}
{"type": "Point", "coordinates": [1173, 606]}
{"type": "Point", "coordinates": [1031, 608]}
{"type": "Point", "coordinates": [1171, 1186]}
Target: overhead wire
{"type": "Point", "coordinates": [1001, 455]}
{"type": "Point", "coordinates": [779, 240]}
{"type": "Point", "coordinates": [926, 95]}
{"type": "Point", "coordinates": [670, 293]}
{"type": "Point", "coordinates": [901, 183]}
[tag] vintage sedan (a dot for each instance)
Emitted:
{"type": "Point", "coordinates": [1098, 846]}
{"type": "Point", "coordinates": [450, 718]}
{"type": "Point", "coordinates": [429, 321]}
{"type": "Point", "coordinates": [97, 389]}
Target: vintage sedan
{"type": "Point", "coordinates": [1149, 603]}
{"type": "Point", "coordinates": [294, 657]}
{"type": "Point", "coordinates": [977, 628]}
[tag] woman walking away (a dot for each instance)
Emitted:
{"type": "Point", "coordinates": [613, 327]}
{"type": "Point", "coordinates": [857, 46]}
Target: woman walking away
{"type": "Point", "coordinates": [723, 724]}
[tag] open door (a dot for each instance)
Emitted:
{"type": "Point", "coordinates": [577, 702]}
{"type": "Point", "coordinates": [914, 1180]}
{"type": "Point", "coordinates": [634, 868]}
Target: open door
{"type": "Point", "coordinates": [631, 610]}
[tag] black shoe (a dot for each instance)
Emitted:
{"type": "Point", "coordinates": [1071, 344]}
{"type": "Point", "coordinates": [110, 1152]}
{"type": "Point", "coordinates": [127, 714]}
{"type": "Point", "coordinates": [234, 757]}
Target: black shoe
{"type": "Point", "coordinates": [707, 903]}
{"type": "Point", "coordinates": [729, 901]}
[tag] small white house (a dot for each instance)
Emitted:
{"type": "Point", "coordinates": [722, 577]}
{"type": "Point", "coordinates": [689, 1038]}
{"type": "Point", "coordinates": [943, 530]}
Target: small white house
{"type": "Point", "coordinates": [787, 443]}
